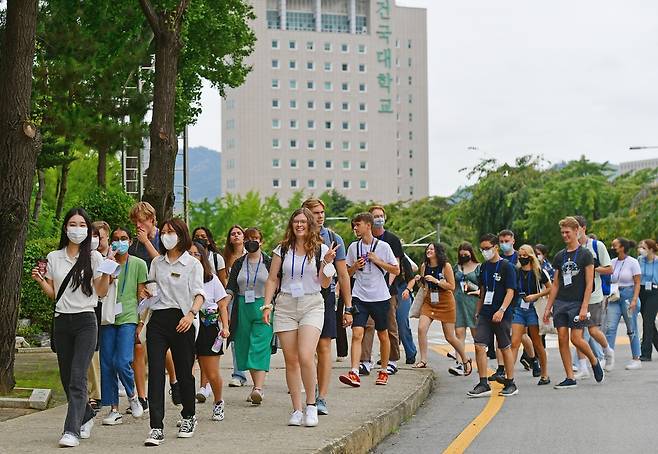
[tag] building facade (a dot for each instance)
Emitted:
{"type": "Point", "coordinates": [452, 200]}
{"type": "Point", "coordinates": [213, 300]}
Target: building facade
{"type": "Point", "coordinates": [337, 99]}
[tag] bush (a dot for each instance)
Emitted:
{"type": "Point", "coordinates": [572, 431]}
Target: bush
{"type": "Point", "coordinates": [112, 206]}
{"type": "Point", "coordinates": [35, 305]}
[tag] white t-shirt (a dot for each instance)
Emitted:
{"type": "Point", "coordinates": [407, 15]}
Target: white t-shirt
{"type": "Point", "coordinates": [178, 282]}
{"type": "Point", "coordinates": [72, 302]}
{"type": "Point", "coordinates": [214, 291]}
{"type": "Point", "coordinates": [604, 260]}
{"type": "Point", "coordinates": [369, 283]}
{"type": "Point", "coordinates": [221, 264]}
{"type": "Point", "coordinates": [624, 270]}
{"type": "Point", "coordinates": [304, 272]}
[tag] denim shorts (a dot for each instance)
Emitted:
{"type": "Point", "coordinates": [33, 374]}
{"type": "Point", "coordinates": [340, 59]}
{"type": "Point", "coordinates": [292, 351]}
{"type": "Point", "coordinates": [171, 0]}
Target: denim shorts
{"type": "Point", "coordinates": [525, 317]}
{"type": "Point", "coordinates": [564, 313]}
{"type": "Point", "coordinates": [486, 329]}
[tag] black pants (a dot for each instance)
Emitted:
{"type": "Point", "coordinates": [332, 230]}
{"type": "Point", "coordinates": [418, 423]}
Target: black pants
{"type": "Point", "coordinates": [75, 340]}
{"type": "Point", "coordinates": [161, 336]}
{"type": "Point", "coordinates": [342, 348]}
{"type": "Point", "coordinates": [649, 309]}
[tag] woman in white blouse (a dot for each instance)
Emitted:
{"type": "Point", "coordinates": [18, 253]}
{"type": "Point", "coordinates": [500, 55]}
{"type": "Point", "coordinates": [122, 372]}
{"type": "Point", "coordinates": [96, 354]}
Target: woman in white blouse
{"type": "Point", "coordinates": [626, 284]}
{"type": "Point", "coordinates": [75, 328]}
{"type": "Point", "coordinates": [298, 270]}
{"type": "Point", "coordinates": [179, 297]}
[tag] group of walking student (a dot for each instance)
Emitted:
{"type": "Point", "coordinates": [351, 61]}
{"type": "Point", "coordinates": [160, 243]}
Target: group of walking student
{"type": "Point", "coordinates": [166, 296]}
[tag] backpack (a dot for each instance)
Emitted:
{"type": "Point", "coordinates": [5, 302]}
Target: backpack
{"type": "Point", "coordinates": [606, 279]}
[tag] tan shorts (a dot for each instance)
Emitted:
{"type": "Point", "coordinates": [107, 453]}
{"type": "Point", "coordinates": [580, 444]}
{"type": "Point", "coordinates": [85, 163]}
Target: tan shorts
{"type": "Point", "coordinates": [291, 313]}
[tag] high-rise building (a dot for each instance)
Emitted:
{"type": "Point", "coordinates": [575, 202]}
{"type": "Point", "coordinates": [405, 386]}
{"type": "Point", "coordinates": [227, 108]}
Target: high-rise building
{"type": "Point", "coordinates": [337, 99]}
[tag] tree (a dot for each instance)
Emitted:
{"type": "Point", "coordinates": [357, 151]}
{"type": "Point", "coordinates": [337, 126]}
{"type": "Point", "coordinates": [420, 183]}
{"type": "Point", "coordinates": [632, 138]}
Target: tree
{"type": "Point", "coordinates": [18, 157]}
{"type": "Point", "coordinates": [193, 40]}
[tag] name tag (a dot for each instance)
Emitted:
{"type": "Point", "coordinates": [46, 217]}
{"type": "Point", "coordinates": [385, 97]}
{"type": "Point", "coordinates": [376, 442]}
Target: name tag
{"type": "Point", "coordinates": [567, 279]}
{"type": "Point", "coordinates": [648, 286]}
{"type": "Point", "coordinates": [175, 275]}
{"type": "Point", "coordinates": [297, 289]}
{"type": "Point", "coordinates": [434, 297]}
{"type": "Point", "coordinates": [488, 297]}
{"type": "Point", "coordinates": [249, 296]}
{"type": "Point", "coordinates": [525, 305]}
{"type": "Point", "coordinates": [118, 308]}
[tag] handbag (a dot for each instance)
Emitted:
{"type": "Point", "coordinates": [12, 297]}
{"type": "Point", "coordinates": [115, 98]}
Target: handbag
{"type": "Point", "coordinates": [414, 311]}
{"type": "Point", "coordinates": [108, 316]}
{"type": "Point", "coordinates": [60, 292]}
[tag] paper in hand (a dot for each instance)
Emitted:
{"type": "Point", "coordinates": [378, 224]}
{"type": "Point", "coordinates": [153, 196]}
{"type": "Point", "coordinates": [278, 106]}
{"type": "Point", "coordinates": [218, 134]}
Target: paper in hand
{"type": "Point", "coordinates": [109, 267]}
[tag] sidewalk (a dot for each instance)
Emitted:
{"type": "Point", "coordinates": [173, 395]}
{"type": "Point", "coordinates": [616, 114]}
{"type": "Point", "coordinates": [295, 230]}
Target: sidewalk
{"type": "Point", "coordinates": [358, 420]}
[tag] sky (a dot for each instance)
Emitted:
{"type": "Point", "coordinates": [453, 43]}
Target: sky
{"type": "Point", "coordinates": [560, 79]}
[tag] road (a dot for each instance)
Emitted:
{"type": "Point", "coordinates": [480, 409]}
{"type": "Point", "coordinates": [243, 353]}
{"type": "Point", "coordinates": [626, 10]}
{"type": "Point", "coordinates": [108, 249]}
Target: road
{"type": "Point", "coordinates": [617, 416]}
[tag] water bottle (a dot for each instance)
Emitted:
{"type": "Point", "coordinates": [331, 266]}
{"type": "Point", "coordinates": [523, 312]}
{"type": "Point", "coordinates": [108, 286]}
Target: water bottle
{"type": "Point", "coordinates": [576, 319]}
{"type": "Point", "coordinates": [629, 317]}
{"type": "Point", "coordinates": [217, 345]}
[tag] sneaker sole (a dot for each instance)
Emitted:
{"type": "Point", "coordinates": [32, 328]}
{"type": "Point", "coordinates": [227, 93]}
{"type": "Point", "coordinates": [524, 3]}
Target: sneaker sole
{"type": "Point", "coordinates": [255, 398]}
{"type": "Point", "coordinates": [112, 423]}
{"type": "Point", "coordinates": [233, 385]}
{"type": "Point", "coordinates": [295, 424]}
{"type": "Point", "coordinates": [475, 396]}
{"type": "Point", "coordinates": [185, 435]}
{"type": "Point", "coordinates": [138, 416]}
{"type": "Point", "coordinates": [152, 442]}
{"type": "Point", "coordinates": [201, 398]}
{"type": "Point", "coordinates": [349, 382]}
{"type": "Point", "coordinates": [381, 383]}
{"type": "Point", "coordinates": [323, 412]}
{"type": "Point", "coordinates": [216, 418]}
{"type": "Point", "coordinates": [502, 394]}
{"type": "Point", "coordinates": [455, 373]}
{"type": "Point", "coordinates": [311, 424]}
{"type": "Point", "coordinates": [565, 387]}
{"type": "Point", "coordinates": [68, 445]}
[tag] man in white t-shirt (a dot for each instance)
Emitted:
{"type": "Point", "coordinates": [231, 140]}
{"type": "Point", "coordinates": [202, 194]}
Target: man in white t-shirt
{"type": "Point", "coordinates": [368, 261]}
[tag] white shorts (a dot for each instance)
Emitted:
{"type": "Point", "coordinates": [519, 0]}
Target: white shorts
{"type": "Point", "coordinates": [290, 313]}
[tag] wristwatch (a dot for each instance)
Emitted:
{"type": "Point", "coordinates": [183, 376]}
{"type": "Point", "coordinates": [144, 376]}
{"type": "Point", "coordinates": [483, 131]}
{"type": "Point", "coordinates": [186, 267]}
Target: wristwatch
{"type": "Point", "coordinates": [501, 309]}
{"type": "Point", "coordinates": [193, 312]}
{"type": "Point", "coordinates": [350, 310]}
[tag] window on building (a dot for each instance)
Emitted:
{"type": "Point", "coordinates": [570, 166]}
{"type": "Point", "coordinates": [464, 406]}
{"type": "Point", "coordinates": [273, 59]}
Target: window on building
{"type": "Point", "coordinates": [310, 45]}
{"type": "Point", "coordinates": [310, 85]}
{"type": "Point", "coordinates": [362, 107]}
{"type": "Point", "coordinates": [328, 184]}
{"type": "Point", "coordinates": [311, 184]}
{"type": "Point", "coordinates": [328, 164]}
{"type": "Point", "coordinates": [411, 154]}
{"type": "Point", "coordinates": [409, 44]}
{"type": "Point", "coordinates": [328, 86]}
{"type": "Point", "coordinates": [310, 144]}
{"type": "Point", "coordinates": [411, 190]}
{"type": "Point", "coordinates": [293, 143]}
{"type": "Point", "coordinates": [363, 184]}
{"type": "Point", "coordinates": [363, 126]}
{"type": "Point", "coordinates": [276, 163]}
{"type": "Point", "coordinates": [275, 143]}
{"type": "Point", "coordinates": [345, 106]}
{"type": "Point", "coordinates": [361, 48]}
{"type": "Point", "coordinates": [344, 48]}
{"type": "Point", "coordinates": [292, 45]}
{"type": "Point", "coordinates": [327, 47]}
{"type": "Point", "coordinates": [293, 183]}
{"type": "Point", "coordinates": [346, 165]}
{"type": "Point", "coordinates": [276, 124]}
{"type": "Point", "coordinates": [275, 44]}
{"type": "Point", "coordinates": [275, 83]}
{"type": "Point", "coordinates": [293, 163]}
{"type": "Point", "coordinates": [327, 105]}
{"type": "Point", "coordinates": [327, 125]}
{"type": "Point", "coordinates": [363, 146]}
{"type": "Point", "coordinates": [410, 98]}
{"type": "Point", "coordinates": [292, 83]}
{"type": "Point", "coordinates": [411, 135]}
{"type": "Point", "coordinates": [362, 67]}
{"type": "Point", "coordinates": [409, 62]}
{"type": "Point", "coordinates": [362, 87]}
{"type": "Point", "coordinates": [310, 124]}
{"type": "Point", "coordinates": [293, 124]}
{"type": "Point", "coordinates": [328, 145]}
{"type": "Point", "coordinates": [363, 165]}
{"type": "Point", "coordinates": [411, 117]}
{"type": "Point", "coordinates": [397, 43]}
{"type": "Point", "coordinates": [310, 105]}
{"type": "Point", "coordinates": [275, 63]}
{"type": "Point", "coordinates": [275, 183]}
{"type": "Point", "coordinates": [344, 86]}
{"type": "Point", "coordinates": [293, 103]}
{"type": "Point", "coordinates": [346, 184]}
{"type": "Point", "coordinates": [275, 104]}
{"type": "Point", "coordinates": [292, 64]}
{"type": "Point", "coordinates": [345, 125]}
{"type": "Point", "coordinates": [310, 66]}
{"type": "Point", "coordinates": [230, 124]}
{"type": "Point", "coordinates": [411, 172]}
{"type": "Point", "coordinates": [409, 80]}
{"type": "Point", "coordinates": [311, 164]}
{"type": "Point", "coordinates": [344, 67]}
{"type": "Point", "coordinates": [345, 145]}
{"type": "Point", "coordinates": [327, 66]}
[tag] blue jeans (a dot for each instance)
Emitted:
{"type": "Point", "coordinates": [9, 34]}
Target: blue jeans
{"type": "Point", "coordinates": [402, 317]}
{"type": "Point", "coordinates": [237, 373]}
{"type": "Point", "coordinates": [617, 310]}
{"type": "Point", "coordinates": [117, 349]}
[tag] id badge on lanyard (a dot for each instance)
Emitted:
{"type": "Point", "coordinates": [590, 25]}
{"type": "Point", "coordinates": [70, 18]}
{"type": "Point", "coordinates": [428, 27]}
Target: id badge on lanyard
{"type": "Point", "coordinates": [488, 297]}
{"type": "Point", "coordinates": [297, 289]}
{"type": "Point", "coordinates": [567, 278]}
{"type": "Point", "coordinates": [249, 296]}
{"type": "Point", "coordinates": [648, 286]}
{"type": "Point", "coordinates": [434, 297]}
{"type": "Point", "coordinates": [525, 304]}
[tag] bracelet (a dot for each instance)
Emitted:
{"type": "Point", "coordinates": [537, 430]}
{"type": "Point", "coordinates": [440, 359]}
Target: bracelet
{"type": "Point", "coordinates": [266, 306]}
{"type": "Point", "coordinates": [501, 309]}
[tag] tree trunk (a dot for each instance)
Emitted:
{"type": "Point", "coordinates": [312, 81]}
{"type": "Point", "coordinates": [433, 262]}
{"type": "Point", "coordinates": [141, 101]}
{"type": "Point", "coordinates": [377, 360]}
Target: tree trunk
{"type": "Point", "coordinates": [41, 175]}
{"type": "Point", "coordinates": [101, 170]}
{"type": "Point", "coordinates": [17, 165]}
{"type": "Point", "coordinates": [159, 184]}
{"type": "Point", "coordinates": [63, 186]}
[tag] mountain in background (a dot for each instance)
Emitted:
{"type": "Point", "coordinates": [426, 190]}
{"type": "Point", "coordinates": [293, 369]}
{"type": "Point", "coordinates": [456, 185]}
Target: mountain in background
{"type": "Point", "coordinates": [205, 174]}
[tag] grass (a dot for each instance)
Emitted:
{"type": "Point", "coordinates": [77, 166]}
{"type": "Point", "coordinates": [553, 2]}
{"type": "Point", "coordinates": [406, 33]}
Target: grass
{"type": "Point", "coordinates": [40, 370]}
{"type": "Point", "coordinates": [20, 393]}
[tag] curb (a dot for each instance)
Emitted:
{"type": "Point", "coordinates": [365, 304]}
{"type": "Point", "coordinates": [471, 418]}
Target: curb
{"type": "Point", "coordinates": [33, 350]}
{"type": "Point", "coordinates": [365, 437]}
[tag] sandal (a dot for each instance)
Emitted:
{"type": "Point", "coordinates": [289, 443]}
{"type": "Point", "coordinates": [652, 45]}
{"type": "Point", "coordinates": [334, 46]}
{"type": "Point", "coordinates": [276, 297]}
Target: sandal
{"type": "Point", "coordinates": [468, 367]}
{"type": "Point", "coordinates": [420, 365]}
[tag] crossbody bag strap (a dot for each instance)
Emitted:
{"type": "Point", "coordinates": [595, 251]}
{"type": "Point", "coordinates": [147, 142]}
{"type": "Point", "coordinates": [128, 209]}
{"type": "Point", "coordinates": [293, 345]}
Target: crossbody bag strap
{"type": "Point", "coordinates": [62, 288]}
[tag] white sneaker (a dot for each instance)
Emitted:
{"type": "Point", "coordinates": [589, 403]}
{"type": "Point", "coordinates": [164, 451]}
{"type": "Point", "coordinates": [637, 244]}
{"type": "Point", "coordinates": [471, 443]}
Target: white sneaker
{"type": "Point", "coordinates": [85, 430]}
{"type": "Point", "coordinates": [582, 374]}
{"type": "Point", "coordinates": [68, 441]}
{"type": "Point", "coordinates": [235, 382]}
{"type": "Point", "coordinates": [114, 418]}
{"type": "Point", "coordinates": [457, 370]}
{"type": "Point", "coordinates": [296, 418]}
{"type": "Point", "coordinates": [311, 416]}
{"type": "Point", "coordinates": [122, 390]}
{"type": "Point", "coordinates": [609, 360]}
{"type": "Point", "coordinates": [602, 362]}
{"type": "Point", "coordinates": [136, 407]}
{"type": "Point", "coordinates": [340, 359]}
{"type": "Point", "coordinates": [202, 394]}
{"type": "Point", "coordinates": [635, 364]}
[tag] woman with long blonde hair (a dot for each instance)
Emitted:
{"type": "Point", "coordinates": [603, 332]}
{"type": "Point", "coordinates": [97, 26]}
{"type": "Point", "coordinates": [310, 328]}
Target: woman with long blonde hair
{"type": "Point", "coordinates": [533, 283]}
{"type": "Point", "coordinates": [301, 267]}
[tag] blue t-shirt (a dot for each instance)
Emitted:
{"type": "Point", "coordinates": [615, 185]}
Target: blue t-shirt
{"type": "Point", "coordinates": [649, 271]}
{"type": "Point", "coordinates": [513, 258]}
{"type": "Point", "coordinates": [497, 277]}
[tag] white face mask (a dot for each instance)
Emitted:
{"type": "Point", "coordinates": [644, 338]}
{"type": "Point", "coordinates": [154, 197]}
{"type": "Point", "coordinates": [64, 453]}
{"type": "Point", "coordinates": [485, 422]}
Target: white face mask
{"type": "Point", "coordinates": [643, 252]}
{"type": "Point", "coordinates": [540, 258]}
{"type": "Point", "coordinates": [95, 241]}
{"type": "Point", "coordinates": [488, 254]}
{"type": "Point", "coordinates": [76, 234]}
{"type": "Point", "coordinates": [169, 240]}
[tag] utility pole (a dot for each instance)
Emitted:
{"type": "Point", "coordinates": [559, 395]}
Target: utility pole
{"type": "Point", "coordinates": [186, 177]}
{"type": "Point", "coordinates": [438, 232]}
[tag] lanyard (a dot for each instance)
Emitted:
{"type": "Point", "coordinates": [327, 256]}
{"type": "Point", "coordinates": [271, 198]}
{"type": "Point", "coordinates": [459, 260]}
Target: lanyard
{"type": "Point", "coordinates": [435, 273]}
{"type": "Point", "coordinates": [256, 275]}
{"type": "Point", "coordinates": [486, 277]}
{"type": "Point", "coordinates": [293, 266]}
{"type": "Point", "coordinates": [620, 268]}
{"type": "Point", "coordinates": [653, 268]}
{"type": "Point", "coordinates": [125, 276]}
{"type": "Point", "coordinates": [372, 248]}
{"type": "Point", "coordinates": [566, 256]}
{"type": "Point", "coordinates": [527, 289]}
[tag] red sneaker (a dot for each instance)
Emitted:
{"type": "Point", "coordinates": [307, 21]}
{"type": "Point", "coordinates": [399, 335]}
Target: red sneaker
{"type": "Point", "coordinates": [382, 378]}
{"type": "Point", "coordinates": [351, 379]}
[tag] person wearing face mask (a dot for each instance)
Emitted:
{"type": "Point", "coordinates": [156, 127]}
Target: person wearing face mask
{"type": "Point", "coordinates": [180, 295]}
{"type": "Point", "coordinates": [251, 337]}
{"type": "Point", "coordinates": [466, 271]}
{"type": "Point", "coordinates": [204, 236]}
{"type": "Point", "coordinates": [649, 296]}
{"type": "Point", "coordinates": [541, 252]}
{"type": "Point", "coordinates": [117, 339]}
{"type": "Point", "coordinates": [72, 279]}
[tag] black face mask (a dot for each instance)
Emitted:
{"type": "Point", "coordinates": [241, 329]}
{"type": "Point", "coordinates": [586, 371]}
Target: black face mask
{"type": "Point", "coordinates": [524, 260]}
{"type": "Point", "coordinates": [613, 253]}
{"type": "Point", "coordinates": [251, 246]}
{"type": "Point", "coordinates": [203, 242]}
{"type": "Point", "coordinates": [463, 259]}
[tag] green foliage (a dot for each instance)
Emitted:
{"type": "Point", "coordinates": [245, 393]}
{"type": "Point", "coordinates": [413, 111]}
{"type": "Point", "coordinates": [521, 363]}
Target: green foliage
{"type": "Point", "coordinates": [112, 206]}
{"type": "Point", "coordinates": [35, 305]}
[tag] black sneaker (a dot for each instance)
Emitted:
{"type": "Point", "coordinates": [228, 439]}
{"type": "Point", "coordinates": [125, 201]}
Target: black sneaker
{"type": "Point", "coordinates": [363, 370]}
{"type": "Point", "coordinates": [510, 389]}
{"type": "Point", "coordinates": [187, 427]}
{"type": "Point", "coordinates": [480, 390]}
{"type": "Point", "coordinates": [566, 384]}
{"type": "Point", "coordinates": [543, 381]}
{"type": "Point", "coordinates": [497, 376]}
{"type": "Point", "coordinates": [145, 404]}
{"type": "Point", "coordinates": [645, 358]}
{"type": "Point", "coordinates": [525, 361]}
{"type": "Point", "coordinates": [536, 370]}
{"type": "Point", "coordinates": [598, 372]}
{"type": "Point", "coordinates": [156, 436]}
{"type": "Point", "coordinates": [174, 391]}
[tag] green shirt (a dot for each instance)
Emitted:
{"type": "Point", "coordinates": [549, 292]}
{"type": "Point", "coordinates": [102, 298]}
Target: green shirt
{"type": "Point", "coordinates": [127, 289]}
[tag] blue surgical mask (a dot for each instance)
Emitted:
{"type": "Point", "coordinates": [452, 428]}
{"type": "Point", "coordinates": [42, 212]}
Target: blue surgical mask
{"type": "Point", "coordinates": [120, 246]}
{"type": "Point", "coordinates": [506, 247]}
{"type": "Point", "coordinates": [379, 222]}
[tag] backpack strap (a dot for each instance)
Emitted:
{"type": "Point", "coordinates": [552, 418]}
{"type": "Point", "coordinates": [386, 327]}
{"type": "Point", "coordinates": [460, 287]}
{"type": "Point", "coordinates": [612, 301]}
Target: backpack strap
{"type": "Point", "coordinates": [318, 259]}
{"type": "Point", "coordinates": [214, 257]}
{"type": "Point", "coordinates": [374, 248]}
